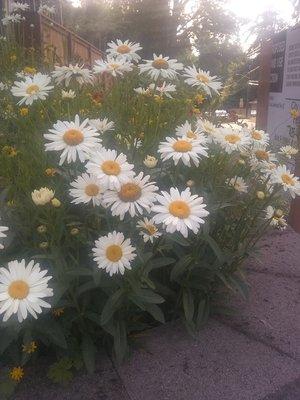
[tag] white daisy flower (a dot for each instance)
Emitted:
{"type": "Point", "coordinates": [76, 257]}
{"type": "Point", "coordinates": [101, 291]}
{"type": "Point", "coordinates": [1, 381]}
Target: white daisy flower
{"type": "Point", "coordinates": [259, 157]}
{"type": "Point", "coordinates": [45, 9]}
{"type": "Point", "coordinates": [290, 183]}
{"type": "Point", "coordinates": [202, 79]}
{"type": "Point", "coordinates": [126, 50]}
{"type": "Point", "coordinates": [76, 73]}
{"type": "Point", "coordinates": [32, 88]}
{"type": "Point", "coordinates": [134, 195]}
{"type": "Point", "coordinates": [267, 168]}
{"type": "Point", "coordinates": [207, 127]}
{"type": "Point", "coordinates": [259, 138]}
{"type": "Point", "coordinates": [150, 161]}
{"type": "Point", "coordinates": [12, 19]}
{"type": "Point", "coordinates": [164, 89]}
{"type": "Point", "coordinates": [187, 131]}
{"type": "Point", "coordinates": [3, 235]}
{"type": "Point", "coordinates": [73, 138]}
{"type": "Point", "coordinates": [68, 94]}
{"type": "Point", "coordinates": [180, 211]}
{"type": "Point", "coordinates": [112, 66]}
{"type": "Point", "coordinates": [18, 6]}
{"type": "Point", "coordinates": [238, 183]}
{"type": "Point", "coordinates": [275, 217]}
{"type": "Point", "coordinates": [111, 169]}
{"type": "Point", "coordinates": [143, 91]}
{"type": "Point", "coordinates": [86, 189]}
{"type": "Point", "coordinates": [102, 125]}
{"type": "Point", "coordinates": [149, 230]}
{"type": "Point", "coordinates": [288, 151]}
{"type": "Point", "coordinates": [22, 289]}
{"type": "Point", "coordinates": [183, 149]}
{"type": "Point", "coordinates": [233, 139]}
{"type": "Point", "coordinates": [113, 253]}
{"type": "Point", "coordinates": [161, 67]}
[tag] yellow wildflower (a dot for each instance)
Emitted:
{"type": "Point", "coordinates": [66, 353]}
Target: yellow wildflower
{"type": "Point", "coordinates": [43, 245]}
{"type": "Point", "coordinates": [9, 151]}
{"type": "Point", "coordinates": [74, 231]}
{"type": "Point", "coordinates": [29, 70]}
{"type": "Point", "coordinates": [55, 202]}
{"type": "Point", "coordinates": [294, 113]}
{"type": "Point", "coordinates": [29, 347]}
{"type": "Point", "coordinates": [13, 58]}
{"type": "Point", "coordinates": [57, 312]}
{"type": "Point", "coordinates": [24, 111]}
{"type": "Point", "coordinates": [50, 171]}
{"type": "Point", "coordinates": [16, 373]}
{"type": "Point", "coordinates": [199, 99]}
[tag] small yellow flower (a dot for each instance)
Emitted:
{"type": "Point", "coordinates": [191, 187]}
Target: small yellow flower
{"type": "Point", "coordinates": [260, 195]}
{"type": "Point", "coordinates": [57, 312]}
{"type": "Point", "coordinates": [294, 113]}
{"type": "Point", "coordinates": [199, 99]}
{"type": "Point", "coordinates": [10, 151]}
{"type": "Point", "coordinates": [24, 111]}
{"type": "Point", "coordinates": [10, 203]}
{"type": "Point", "coordinates": [29, 70]}
{"type": "Point", "coordinates": [55, 202]}
{"type": "Point", "coordinates": [43, 245]}
{"type": "Point", "coordinates": [74, 231]}
{"type": "Point", "coordinates": [16, 373]}
{"type": "Point", "coordinates": [50, 171]}
{"type": "Point", "coordinates": [29, 347]}
{"type": "Point", "coordinates": [158, 99]}
{"type": "Point", "coordinates": [196, 111]}
{"type": "Point", "coordinates": [13, 58]}
{"type": "Point", "coordinates": [41, 229]}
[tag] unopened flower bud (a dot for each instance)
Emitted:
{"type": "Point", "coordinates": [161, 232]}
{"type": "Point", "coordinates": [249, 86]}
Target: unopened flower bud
{"type": "Point", "coordinates": [43, 245]}
{"type": "Point", "coordinates": [241, 161]}
{"type": "Point", "coordinates": [150, 161]}
{"type": "Point", "coordinates": [74, 231]}
{"type": "Point", "coordinates": [190, 183]}
{"type": "Point", "coordinates": [260, 195]}
{"type": "Point", "coordinates": [55, 202]}
{"type": "Point", "coordinates": [41, 229]}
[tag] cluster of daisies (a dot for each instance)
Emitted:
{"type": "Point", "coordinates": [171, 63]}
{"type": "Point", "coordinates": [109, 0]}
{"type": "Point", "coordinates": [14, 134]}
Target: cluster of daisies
{"type": "Point", "coordinates": [18, 11]}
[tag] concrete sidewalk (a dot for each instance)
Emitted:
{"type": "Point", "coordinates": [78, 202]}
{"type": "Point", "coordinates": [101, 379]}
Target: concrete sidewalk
{"type": "Point", "coordinates": [254, 355]}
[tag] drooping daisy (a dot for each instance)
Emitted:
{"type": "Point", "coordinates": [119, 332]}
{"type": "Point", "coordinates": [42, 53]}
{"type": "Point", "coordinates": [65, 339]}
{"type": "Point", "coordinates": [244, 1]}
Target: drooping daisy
{"type": "Point", "coordinates": [203, 79]}
{"type": "Point", "coordinates": [86, 189]}
{"type": "Point", "coordinates": [187, 131]}
{"type": "Point", "coordinates": [238, 183]}
{"type": "Point", "coordinates": [76, 73]}
{"type": "Point", "coordinates": [111, 169]}
{"type": "Point", "coordinates": [112, 66]}
{"type": "Point", "coordinates": [22, 289]}
{"type": "Point", "coordinates": [275, 217]}
{"type": "Point", "coordinates": [233, 139]}
{"type": "Point", "coordinates": [259, 138]}
{"type": "Point", "coordinates": [114, 253]}
{"type": "Point", "coordinates": [102, 125]}
{"type": "Point", "coordinates": [3, 235]}
{"type": "Point", "coordinates": [161, 67]}
{"type": "Point", "coordinates": [134, 195]}
{"type": "Point", "coordinates": [127, 50]}
{"type": "Point", "coordinates": [42, 196]}
{"type": "Point", "coordinates": [45, 9]}
{"type": "Point", "coordinates": [73, 138]}
{"type": "Point", "coordinates": [282, 176]}
{"type": "Point", "coordinates": [184, 149]}
{"type": "Point", "coordinates": [18, 6]}
{"type": "Point", "coordinates": [259, 156]}
{"type": "Point", "coordinates": [149, 230]}
{"type": "Point", "coordinates": [205, 126]}
{"type": "Point", "coordinates": [288, 151]}
{"type": "Point", "coordinates": [32, 88]}
{"type": "Point", "coordinates": [180, 211]}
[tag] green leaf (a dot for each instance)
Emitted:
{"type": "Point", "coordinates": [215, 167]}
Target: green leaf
{"type": "Point", "coordinates": [60, 372]}
{"type": "Point", "coordinates": [148, 296]}
{"type": "Point", "coordinates": [7, 337]}
{"type": "Point", "coordinates": [202, 313]}
{"type": "Point", "coordinates": [156, 312]}
{"type": "Point", "coordinates": [87, 286]}
{"type": "Point", "coordinates": [111, 305]}
{"type": "Point", "coordinates": [53, 331]}
{"type": "Point", "coordinates": [188, 304]}
{"type": "Point", "coordinates": [180, 267]}
{"type": "Point", "coordinates": [88, 350]}
{"type": "Point", "coordinates": [120, 341]}
{"type": "Point", "coordinates": [177, 238]}
{"type": "Point", "coordinates": [215, 247]}
{"type": "Point", "coordinates": [241, 286]}
{"type": "Point", "coordinates": [80, 272]}
{"type": "Point", "coordinates": [158, 263]}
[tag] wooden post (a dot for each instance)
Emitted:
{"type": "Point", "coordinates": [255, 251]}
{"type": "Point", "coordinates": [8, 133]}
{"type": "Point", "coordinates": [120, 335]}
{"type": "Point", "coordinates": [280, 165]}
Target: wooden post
{"type": "Point", "coordinates": [263, 85]}
{"type": "Point", "coordinates": [294, 217]}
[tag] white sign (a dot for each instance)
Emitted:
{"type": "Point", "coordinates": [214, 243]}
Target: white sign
{"type": "Point", "coordinates": [285, 84]}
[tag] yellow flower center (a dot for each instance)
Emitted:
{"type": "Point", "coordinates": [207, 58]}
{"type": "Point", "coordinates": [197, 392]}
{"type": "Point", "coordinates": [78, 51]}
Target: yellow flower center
{"type": "Point", "coordinates": [130, 192]}
{"type": "Point", "coordinates": [73, 137]}
{"type": "Point", "coordinates": [92, 190]}
{"type": "Point", "coordinates": [232, 138]}
{"type": "Point", "coordinates": [208, 128]}
{"type": "Point", "coordinates": [202, 78]}
{"type": "Point", "coordinates": [191, 135]}
{"type": "Point", "coordinates": [32, 89]}
{"type": "Point", "coordinates": [256, 135]}
{"type": "Point", "coordinates": [262, 155]}
{"type": "Point", "coordinates": [114, 66]}
{"type": "Point", "coordinates": [151, 229]}
{"type": "Point", "coordinates": [114, 253]}
{"type": "Point", "coordinates": [123, 49]}
{"type": "Point", "coordinates": [287, 179]}
{"type": "Point", "coordinates": [179, 209]}
{"type": "Point", "coordinates": [182, 146]}
{"type": "Point", "coordinates": [18, 290]}
{"type": "Point", "coordinates": [111, 168]}
{"type": "Point", "coordinates": [160, 63]}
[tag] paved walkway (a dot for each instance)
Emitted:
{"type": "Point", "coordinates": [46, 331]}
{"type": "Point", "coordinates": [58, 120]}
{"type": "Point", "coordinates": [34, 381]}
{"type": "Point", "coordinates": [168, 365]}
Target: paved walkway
{"type": "Point", "coordinates": [254, 355]}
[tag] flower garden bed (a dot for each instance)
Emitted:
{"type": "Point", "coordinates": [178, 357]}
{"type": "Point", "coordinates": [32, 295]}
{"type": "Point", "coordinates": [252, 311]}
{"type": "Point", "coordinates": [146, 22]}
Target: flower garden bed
{"type": "Point", "coordinates": [122, 207]}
